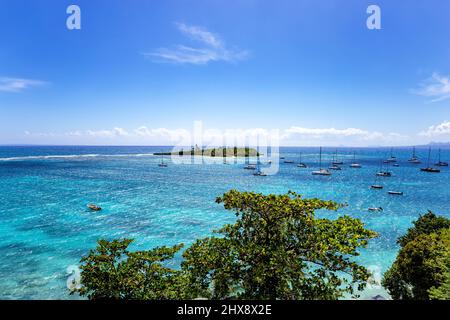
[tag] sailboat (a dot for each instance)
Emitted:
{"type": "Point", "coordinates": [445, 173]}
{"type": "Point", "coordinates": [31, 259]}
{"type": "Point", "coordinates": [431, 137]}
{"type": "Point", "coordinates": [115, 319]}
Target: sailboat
{"type": "Point", "coordinates": [258, 171]}
{"type": "Point", "coordinates": [391, 158]}
{"type": "Point", "coordinates": [300, 163]}
{"type": "Point", "coordinates": [321, 171]}
{"type": "Point", "coordinates": [414, 159]}
{"type": "Point", "coordinates": [376, 185]}
{"type": "Point", "coordinates": [162, 164]}
{"type": "Point", "coordinates": [334, 165]}
{"type": "Point", "coordinates": [441, 163]}
{"type": "Point", "coordinates": [384, 173]}
{"type": "Point", "coordinates": [429, 168]}
{"type": "Point", "coordinates": [354, 163]}
{"type": "Point", "coordinates": [336, 161]}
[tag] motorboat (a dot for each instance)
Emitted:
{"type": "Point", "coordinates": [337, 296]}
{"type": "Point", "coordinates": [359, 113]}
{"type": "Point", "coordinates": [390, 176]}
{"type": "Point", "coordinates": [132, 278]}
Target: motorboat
{"type": "Point", "coordinates": [396, 193]}
{"type": "Point", "coordinates": [94, 207]}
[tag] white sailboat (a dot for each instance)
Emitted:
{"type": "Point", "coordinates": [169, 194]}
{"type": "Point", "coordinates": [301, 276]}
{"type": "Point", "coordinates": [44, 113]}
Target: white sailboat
{"type": "Point", "coordinates": [321, 171]}
{"type": "Point", "coordinates": [414, 159]}
{"type": "Point", "coordinates": [336, 161]}
{"type": "Point", "coordinates": [384, 173]}
{"type": "Point", "coordinates": [162, 164]}
{"type": "Point", "coordinates": [354, 163]}
{"type": "Point", "coordinates": [392, 158]}
{"type": "Point", "coordinates": [441, 163]}
{"type": "Point", "coordinates": [258, 171]}
{"type": "Point", "coordinates": [300, 163]}
{"type": "Point", "coordinates": [376, 184]}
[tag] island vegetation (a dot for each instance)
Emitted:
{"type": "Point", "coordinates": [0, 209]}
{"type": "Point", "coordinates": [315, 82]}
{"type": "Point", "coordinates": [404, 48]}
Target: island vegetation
{"type": "Point", "coordinates": [421, 270]}
{"type": "Point", "coordinates": [213, 152]}
{"type": "Point", "coordinates": [276, 249]}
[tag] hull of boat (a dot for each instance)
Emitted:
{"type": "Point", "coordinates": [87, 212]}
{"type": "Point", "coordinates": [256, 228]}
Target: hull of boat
{"type": "Point", "coordinates": [430, 170]}
{"type": "Point", "coordinates": [442, 164]}
{"type": "Point", "coordinates": [321, 173]}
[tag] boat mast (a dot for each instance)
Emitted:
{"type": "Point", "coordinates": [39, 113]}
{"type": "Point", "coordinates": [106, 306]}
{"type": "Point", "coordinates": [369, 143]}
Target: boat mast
{"type": "Point", "coordinates": [320, 158]}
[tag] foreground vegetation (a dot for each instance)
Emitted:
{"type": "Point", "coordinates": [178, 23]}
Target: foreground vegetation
{"type": "Point", "coordinates": [422, 268]}
{"type": "Point", "coordinates": [276, 249]}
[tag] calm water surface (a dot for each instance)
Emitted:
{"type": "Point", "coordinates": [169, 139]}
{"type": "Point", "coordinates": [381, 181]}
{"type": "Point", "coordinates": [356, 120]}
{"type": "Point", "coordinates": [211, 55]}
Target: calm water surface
{"type": "Point", "coordinates": [45, 227]}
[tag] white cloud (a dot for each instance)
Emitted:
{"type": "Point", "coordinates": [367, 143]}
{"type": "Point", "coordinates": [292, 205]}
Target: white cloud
{"type": "Point", "coordinates": [437, 88]}
{"type": "Point", "coordinates": [116, 132]}
{"type": "Point", "coordinates": [212, 49]}
{"type": "Point", "coordinates": [18, 84]}
{"type": "Point", "coordinates": [175, 135]}
{"type": "Point", "coordinates": [346, 136]}
{"type": "Point", "coordinates": [292, 136]}
{"type": "Point", "coordinates": [200, 34]}
{"type": "Point", "coordinates": [437, 130]}
{"type": "Point", "coordinates": [322, 132]}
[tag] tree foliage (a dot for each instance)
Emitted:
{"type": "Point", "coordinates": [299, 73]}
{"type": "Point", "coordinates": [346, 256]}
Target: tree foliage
{"type": "Point", "coordinates": [276, 249]}
{"type": "Point", "coordinates": [420, 266]}
{"type": "Point", "coordinates": [112, 272]}
{"type": "Point", "coordinates": [426, 224]}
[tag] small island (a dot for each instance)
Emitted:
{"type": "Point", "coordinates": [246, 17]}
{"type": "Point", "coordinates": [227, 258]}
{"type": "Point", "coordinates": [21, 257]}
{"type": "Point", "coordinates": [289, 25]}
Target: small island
{"type": "Point", "coordinates": [213, 152]}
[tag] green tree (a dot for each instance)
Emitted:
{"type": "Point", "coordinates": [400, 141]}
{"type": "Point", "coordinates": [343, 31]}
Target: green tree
{"type": "Point", "coordinates": [442, 291]}
{"type": "Point", "coordinates": [426, 224]}
{"type": "Point", "coordinates": [416, 269]}
{"type": "Point", "coordinates": [278, 249]}
{"type": "Point", "coordinates": [112, 272]}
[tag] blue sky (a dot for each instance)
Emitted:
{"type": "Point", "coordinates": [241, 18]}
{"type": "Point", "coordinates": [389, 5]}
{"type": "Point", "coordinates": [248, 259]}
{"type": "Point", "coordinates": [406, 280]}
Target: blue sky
{"type": "Point", "coordinates": [141, 72]}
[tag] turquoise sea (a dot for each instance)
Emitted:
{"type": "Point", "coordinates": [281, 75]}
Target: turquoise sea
{"type": "Point", "coordinates": [45, 226]}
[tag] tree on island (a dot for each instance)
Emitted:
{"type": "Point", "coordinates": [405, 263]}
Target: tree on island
{"type": "Point", "coordinates": [421, 270]}
{"type": "Point", "coordinates": [276, 249]}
